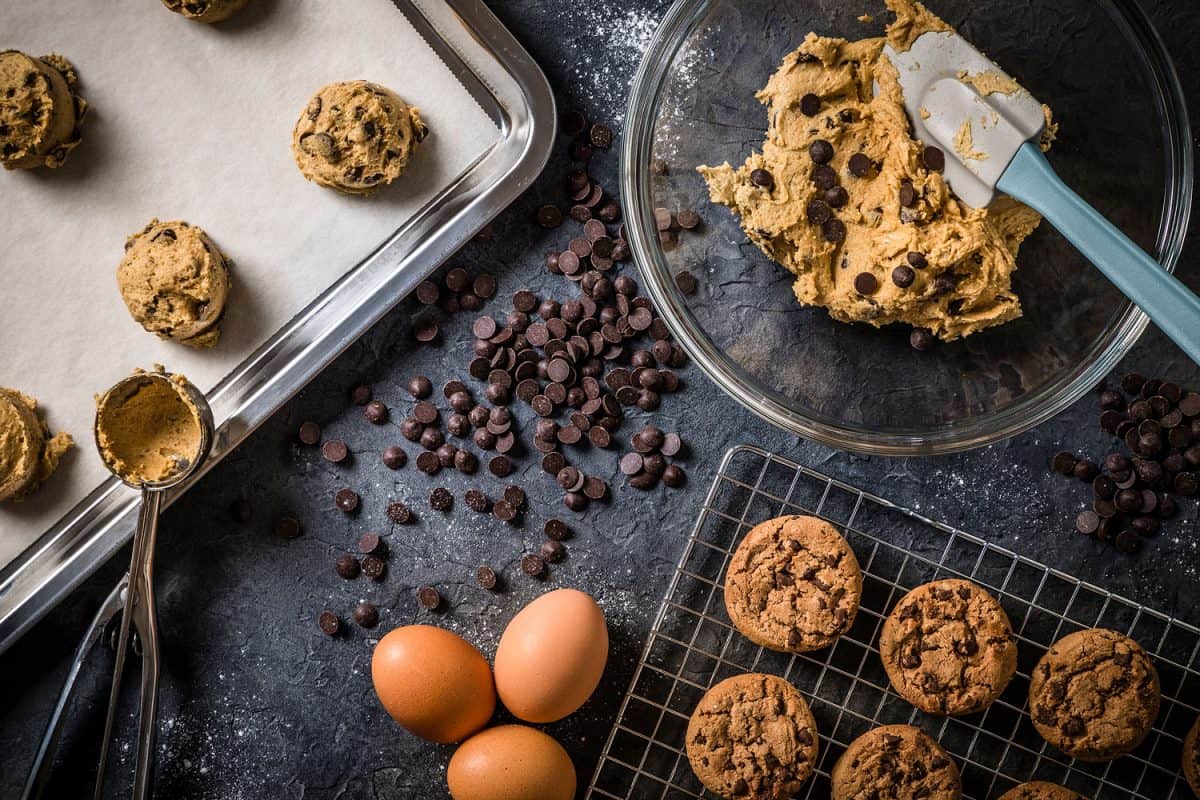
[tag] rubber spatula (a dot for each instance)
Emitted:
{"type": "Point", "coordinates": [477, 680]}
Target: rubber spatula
{"type": "Point", "coordinates": [990, 143]}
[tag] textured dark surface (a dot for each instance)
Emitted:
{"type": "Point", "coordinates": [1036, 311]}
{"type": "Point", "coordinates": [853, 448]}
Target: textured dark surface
{"type": "Point", "coordinates": [257, 703]}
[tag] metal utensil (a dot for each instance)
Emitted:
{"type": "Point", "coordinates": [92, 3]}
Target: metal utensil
{"type": "Point", "coordinates": [133, 598]}
{"type": "Point", "coordinates": [989, 139]}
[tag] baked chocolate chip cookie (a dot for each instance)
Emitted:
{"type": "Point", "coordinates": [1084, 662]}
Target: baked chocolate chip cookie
{"type": "Point", "coordinates": [752, 737]}
{"type": "Point", "coordinates": [948, 648]}
{"type": "Point", "coordinates": [206, 10]}
{"type": "Point", "coordinates": [356, 136]}
{"type": "Point", "coordinates": [1041, 790]}
{"type": "Point", "coordinates": [1191, 758]}
{"type": "Point", "coordinates": [1094, 695]}
{"type": "Point", "coordinates": [895, 761]}
{"type": "Point", "coordinates": [793, 585]}
{"type": "Point", "coordinates": [40, 110]}
{"type": "Point", "coordinates": [175, 282]}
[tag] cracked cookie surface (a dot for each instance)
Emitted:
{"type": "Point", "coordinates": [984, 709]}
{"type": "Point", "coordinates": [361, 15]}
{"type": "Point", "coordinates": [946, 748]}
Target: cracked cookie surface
{"type": "Point", "coordinates": [1041, 790]}
{"type": "Point", "coordinates": [40, 110]}
{"type": "Point", "coordinates": [356, 136]}
{"type": "Point", "coordinates": [752, 737]}
{"type": "Point", "coordinates": [793, 585]}
{"type": "Point", "coordinates": [948, 648]}
{"type": "Point", "coordinates": [1094, 695]}
{"type": "Point", "coordinates": [175, 282]}
{"type": "Point", "coordinates": [1191, 758]}
{"type": "Point", "coordinates": [898, 762]}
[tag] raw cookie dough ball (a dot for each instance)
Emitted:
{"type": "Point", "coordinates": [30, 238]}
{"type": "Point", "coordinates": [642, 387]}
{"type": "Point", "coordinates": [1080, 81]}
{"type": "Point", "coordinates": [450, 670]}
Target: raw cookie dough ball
{"type": "Point", "coordinates": [356, 136]}
{"type": "Point", "coordinates": [28, 453]}
{"type": "Point", "coordinates": [175, 282]}
{"type": "Point", "coordinates": [1094, 695]}
{"type": "Point", "coordinates": [895, 761]}
{"type": "Point", "coordinates": [40, 112]}
{"type": "Point", "coordinates": [206, 10]}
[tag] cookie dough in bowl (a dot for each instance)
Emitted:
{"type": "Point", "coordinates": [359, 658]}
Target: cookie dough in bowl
{"type": "Point", "coordinates": [40, 110]}
{"type": "Point", "coordinates": [356, 136]}
{"type": "Point", "coordinates": [206, 10]}
{"type": "Point", "coordinates": [175, 282]}
{"type": "Point", "coordinates": [29, 454]}
{"type": "Point", "coordinates": [856, 208]}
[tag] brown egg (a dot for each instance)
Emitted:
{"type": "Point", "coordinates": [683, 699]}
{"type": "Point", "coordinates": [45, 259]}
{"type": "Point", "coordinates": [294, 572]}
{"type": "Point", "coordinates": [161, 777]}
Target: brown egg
{"type": "Point", "coordinates": [433, 682]}
{"type": "Point", "coordinates": [511, 762]}
{"type": "Point", "coordinates": [551, 656]}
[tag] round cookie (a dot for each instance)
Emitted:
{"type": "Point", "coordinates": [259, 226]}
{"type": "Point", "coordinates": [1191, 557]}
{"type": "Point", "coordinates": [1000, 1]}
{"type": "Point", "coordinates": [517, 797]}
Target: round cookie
{"type": "Point", "coordinates": [1094, 695]}
{"type": "Point", "coordinates": [895, 761]}
{"type": "Point", "coordinates": [1041, 790]}
{"type": "Point", "coordinates": [1191, 758]}
{"type": "Point", "coordinates": [28, 453]}
{"type": "Point", "coordinates": [206, 10]}
{"type": "Point", "coordinates": [40, 111]}
{"type": "Point", "coordinates": [793, 585]}
{"type": "Point", "coordinates": [175, 282]}
{"type": "Point", "coordinates": [752, 737]}
{"type": "Point", "coordinates": [948, 648]}
{"type": "Point", "coordinates": [356, 136]}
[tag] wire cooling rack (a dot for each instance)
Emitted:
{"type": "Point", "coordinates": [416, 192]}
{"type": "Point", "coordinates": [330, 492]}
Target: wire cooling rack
{"type": "Point", "coordinates": [692, 646]}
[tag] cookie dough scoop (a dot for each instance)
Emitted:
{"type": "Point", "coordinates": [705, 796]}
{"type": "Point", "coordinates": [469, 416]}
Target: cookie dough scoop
{"type": "Point", "coordinates": [153, 431]}
{"type": "Point", "coordinates": [988, 139]}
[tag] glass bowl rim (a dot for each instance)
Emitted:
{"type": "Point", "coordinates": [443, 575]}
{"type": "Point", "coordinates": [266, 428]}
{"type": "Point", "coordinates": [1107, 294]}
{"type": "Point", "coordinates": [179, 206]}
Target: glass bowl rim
{"type": "Point", "coordinates": [1031, 410]}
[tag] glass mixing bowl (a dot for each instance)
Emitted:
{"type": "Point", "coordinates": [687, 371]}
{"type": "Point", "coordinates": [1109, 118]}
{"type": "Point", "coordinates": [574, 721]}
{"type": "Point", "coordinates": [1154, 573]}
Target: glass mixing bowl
{"type": "Point", "coordinates": [1123, 145]}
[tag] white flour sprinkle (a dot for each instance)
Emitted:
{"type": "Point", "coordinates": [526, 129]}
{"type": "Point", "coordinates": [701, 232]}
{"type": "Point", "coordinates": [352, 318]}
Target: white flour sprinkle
{"type": "Point", "coordinates": [622, 39]}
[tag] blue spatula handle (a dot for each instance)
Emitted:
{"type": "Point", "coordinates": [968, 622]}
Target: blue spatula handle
{"type": "Point", "coordinates": [1172, 306]}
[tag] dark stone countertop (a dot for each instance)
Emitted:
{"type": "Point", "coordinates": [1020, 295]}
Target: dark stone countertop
{"type": "Point", "coordinates": [257, 703]}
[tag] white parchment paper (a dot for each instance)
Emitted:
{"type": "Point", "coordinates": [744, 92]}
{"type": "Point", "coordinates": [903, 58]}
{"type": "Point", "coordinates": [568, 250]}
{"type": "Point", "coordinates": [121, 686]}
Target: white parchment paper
{"type": "Point", "coordinates": [194, 122]}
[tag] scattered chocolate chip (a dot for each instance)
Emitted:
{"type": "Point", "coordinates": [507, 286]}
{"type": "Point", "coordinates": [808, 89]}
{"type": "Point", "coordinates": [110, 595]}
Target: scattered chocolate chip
{"type": "Point", "coordinates": [376, 412]}
{"type": "Point", "coordinates": [532, 565]}
{"type": "Point", "coordinates": [922, 339]}
{"type": "Point", "coordinates": [287, 527]}
{"type": "Point", "coordinates": [366, 615]}
{"type": "Point", "coordinates": [427, 293]}
{"type": "Point", "coordinates": [310, 433]}
{"type": "Point", "coordinates": [346, 500]}
{"type": "Point", "coordinates": [440, 499]}
{"type": "Point", "coordinates": [429, 598]}
{"type": "Point", "coordinates": [933, 158]}
{"type": "Point", "coordinates": [556, 529]}
{"type": "Point", "coordinates": [347, 566]}
{"type": "Point", "coordinates": [335, 451]}
{"type": "Point", "coordinates": [549, 216]}
{"type": "Point", "coordinates": [553, 551]}
{"type": "Point", "coordinates": [329, 623]}
{"type": "Point", "coordinates": [360, 395]}
{"type": "Point", "coordinates": [486, 577]}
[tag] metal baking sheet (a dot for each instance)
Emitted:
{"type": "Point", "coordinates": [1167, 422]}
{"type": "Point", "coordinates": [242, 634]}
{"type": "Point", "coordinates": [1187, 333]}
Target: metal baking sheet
{"type": "Point", "coordinates": [371, 253]}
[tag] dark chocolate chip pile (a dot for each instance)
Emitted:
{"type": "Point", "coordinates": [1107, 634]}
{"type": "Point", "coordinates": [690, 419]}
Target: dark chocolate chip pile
{"type": "Point", "coordinates": [457, 291]}
{"type": "Point", "coordinates": [1134, 488]}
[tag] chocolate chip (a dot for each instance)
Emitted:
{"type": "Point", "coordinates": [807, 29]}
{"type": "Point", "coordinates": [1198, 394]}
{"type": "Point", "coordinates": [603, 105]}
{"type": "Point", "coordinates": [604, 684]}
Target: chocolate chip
{"type": "Point", "coordinates": [556, 529]}
{"type": "Point", "coordinates": [762, 178]}
{"type": "Point", "coordinates": [821, 151]}
{"type": "Point", "coordinates": [347, 566]}
{"type": "Point", "coordinates": [394, 457]}
{"type": "Point", "coordinates": [287, 527]}
{"type": "Point", "coordinates": [553, 552]}
{"type": "Point", "coordinates": [1063, 462]}
{"type": "Point", "coordinates": [532, 565]}
{"type": "Point", "coordinates": [347, 500]}
{"type": "Point", "coordinates": [427, 293]}
{"type": "Point", "coordinates": [500, 466]}
{"type": "Point", "coordinates": [865, 283]}
{"type": "Point", "coordinates": [674, 476]}
{"type": "Point", "coordinates": [335, 451]}
{"type": "Point", "coordinates": [399, 513]}
{"type": "Point", "coordinates": [425, 330]}
{"type": "Point", "coordinates": [933, 158]}
{"type": "Point", "coordinates": [860, 165]}
{"type": "Point", "coordinates": [688, 219]}
{"type": "Point", "coordinates": [917, 260]}
{"type": "Point", "coordinates": [907, 195]}
{"type": "Point", "coordinates": [600, 136]}
{"type": "Point", "coordinates": [824, 177]}
{"type": "Point", "coordinates": [366, 615]}
{"type": "Point", "coordinates": [440, 499]}
{"type": "Point", "coordinates": [310, 433]}
{"type": "Point", "coordinates": [1087, 522]}
{"type": "Point", "coordinates": [834, 231]}
{"type": "Point", "coordinates": [903, 276]}
{"type": "Point", "coordinates": [810, 105]}
{"type": "Point", "coordinates": [329, 623]}
{"type": "Point", "coordinates": [429, 598]}
{"type": "Point", "coordinates": [549, 216]}
{"type": "Point", "coordinates": [376, 412]}
{"type": "Point", "coordinates": [922, 339]}
{"type": "Point", "coordinates": [420, 387]}
{"type": "Point", "coordinates": [374, 567]}
{"type": "Point", "coordinates": [486, 577]}
{"type": "Point", "coordinates": [818, 212]}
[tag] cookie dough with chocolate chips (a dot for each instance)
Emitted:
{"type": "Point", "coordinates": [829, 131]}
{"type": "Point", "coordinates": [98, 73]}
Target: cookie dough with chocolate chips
{"type": "Point", "coordinates": [40, 110]}
{"type": "Point", "coordinates": [948, 648]}
{"type": "Point", "coordinates": [1041, 790]}
{"type": "Point", "coordinates": [29, 454]}
{"type": "Point", "coordinates": [846, 199]}
{"type": "Point", "coordinates": [206, 10]}
{"type": "Point", "coordinates": [356, 136]}
{"type": "Point", "coordinates": [753, 737]}
{"type": "Point", "coordinates": [1094, 695]}
{"type": "Point", "coordinates": [175, 282]}
{"type": "Point", "coordinates": [897, 761]}
{"type": "Point", "coordinates": [793, 585]}
{"type": "Point", "coordinates": [151, 430]}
